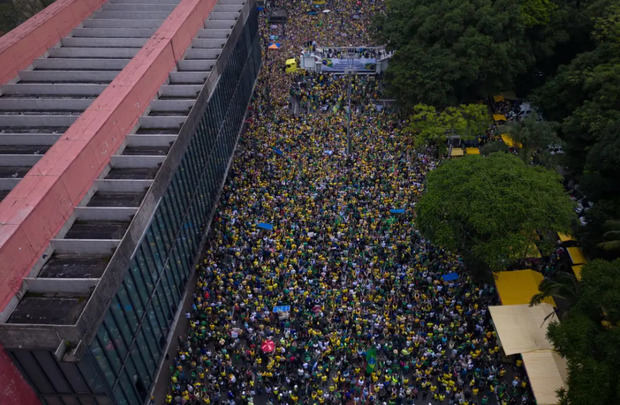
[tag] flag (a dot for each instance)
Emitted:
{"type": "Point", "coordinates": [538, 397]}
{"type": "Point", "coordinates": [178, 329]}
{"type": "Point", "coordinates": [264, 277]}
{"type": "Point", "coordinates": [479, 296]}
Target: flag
{"type": "Point", "coordinates": [371, 359]}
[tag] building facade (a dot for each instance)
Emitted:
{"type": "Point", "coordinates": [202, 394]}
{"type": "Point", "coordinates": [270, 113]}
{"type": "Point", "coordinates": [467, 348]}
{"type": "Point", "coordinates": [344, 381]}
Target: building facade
{"type": "Point", "coordinates": [100, 339]}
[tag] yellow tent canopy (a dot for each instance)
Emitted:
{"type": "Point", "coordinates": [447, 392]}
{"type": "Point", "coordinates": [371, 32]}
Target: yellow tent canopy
{"type": "Point", "coordinates": [519, 286]}
{"type": "Point", "coordinates": [510, 142]}
{"type": "Point", "coordinates": [565, 237]}
{"type": "Point", "coordinates": [472, 151]}
{"type": "Point", "coordinates": [547, 372]}
{"type": "Point", "coordinates": [577, 271]}
{"type": "Point", "coordinates": [576, 255]}
{"type": "Point", "coordinates": [499, 117]}
{"type": "Point", "coordinates": [456, 152]}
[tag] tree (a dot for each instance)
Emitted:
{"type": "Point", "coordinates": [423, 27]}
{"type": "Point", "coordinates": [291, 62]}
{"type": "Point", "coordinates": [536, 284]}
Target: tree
{"type": "Point", "coordinates": [589, 337]}
{"type": "Point", "coordinates": [537, 12]}
{"type": "Point", "coordinates": [492, 147]}
{"type": "Point", "coordinates": [488, 208]}
{"type": "Point", "coordinates": [8, 17]}
{"type": "Point", "coordinates": [534, 135]}
{"type": "Point", "coordinates": [427, 126]}
{"type": "Point", "coordinates": [584, 96]}
{"type": "Point", "coordinates": [564, 286]}
{"type": "Point", "coordinates": [611, 237]}
{"type": "Point", "coordinates": [452, 51]}
{"type": "Point", "coordinates": [14, 12]}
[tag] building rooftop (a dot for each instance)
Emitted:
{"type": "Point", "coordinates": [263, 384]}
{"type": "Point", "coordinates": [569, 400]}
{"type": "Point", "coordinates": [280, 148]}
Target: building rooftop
{"type": "Point", "coordinates": [75, 277]}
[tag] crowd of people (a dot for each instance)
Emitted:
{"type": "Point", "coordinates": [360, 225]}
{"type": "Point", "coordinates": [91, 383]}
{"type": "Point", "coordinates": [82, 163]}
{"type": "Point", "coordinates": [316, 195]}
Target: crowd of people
{"type": "Point", "coordinates": [315, 286]}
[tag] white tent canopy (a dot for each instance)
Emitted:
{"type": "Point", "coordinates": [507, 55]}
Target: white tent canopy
{"type": "Point", "coordinates": [547, 372]}
{"type": "Point", "coordinates": [523, 330]}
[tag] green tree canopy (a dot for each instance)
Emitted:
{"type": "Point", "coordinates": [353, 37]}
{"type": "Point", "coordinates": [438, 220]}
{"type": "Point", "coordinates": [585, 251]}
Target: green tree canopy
{"type": "Point", "coordinates": [589, 337]}
{"type": "Point", "coordinates": [428, 126]}
{"type": "Point", "coordinates": [488, 208]}
{"type": "Point", "coordinates": [584, 97]}
{"type": "Point", "coordinates": [534, 135]}
{"type": "Point", "coordinates": [450, 51]}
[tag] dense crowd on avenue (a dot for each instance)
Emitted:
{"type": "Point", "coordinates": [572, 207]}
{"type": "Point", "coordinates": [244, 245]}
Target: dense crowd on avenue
{"type": "Point", "coordinates": [316, 287]}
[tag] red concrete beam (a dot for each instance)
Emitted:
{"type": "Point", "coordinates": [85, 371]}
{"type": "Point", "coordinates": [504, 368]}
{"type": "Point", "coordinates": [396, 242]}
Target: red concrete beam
{"type": "Point", "coordinates": [35, 210]}
{"type": "Point", "coordinates": [28, 41]}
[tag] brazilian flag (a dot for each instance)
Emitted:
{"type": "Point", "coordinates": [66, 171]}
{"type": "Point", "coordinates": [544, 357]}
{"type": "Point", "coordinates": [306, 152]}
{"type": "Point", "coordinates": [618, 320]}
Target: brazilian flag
{"type": "Point", "coordinates": [371, 360]}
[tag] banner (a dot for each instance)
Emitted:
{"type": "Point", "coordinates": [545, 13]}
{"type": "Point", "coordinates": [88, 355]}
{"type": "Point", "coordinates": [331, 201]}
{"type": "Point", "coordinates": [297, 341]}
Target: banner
{"type": "Point", "coordinates": [351, 64]}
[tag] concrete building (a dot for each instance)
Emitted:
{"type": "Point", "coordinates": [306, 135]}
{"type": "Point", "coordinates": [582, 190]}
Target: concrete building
{"type": "Point", "coordinates": [118, 120]}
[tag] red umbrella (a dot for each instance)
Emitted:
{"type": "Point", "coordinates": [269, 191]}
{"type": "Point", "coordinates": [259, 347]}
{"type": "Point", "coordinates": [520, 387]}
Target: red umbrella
{"type": "Point", "coordinates": [268, 346]}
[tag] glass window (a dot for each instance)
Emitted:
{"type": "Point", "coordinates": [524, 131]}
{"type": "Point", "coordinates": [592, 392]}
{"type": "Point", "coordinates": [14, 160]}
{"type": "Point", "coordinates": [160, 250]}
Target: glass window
{"type": "Point", "coordinates": [151, 252]}
{"type": "Point", "coordinates": [138, 383]}
{"type": "Point", "coordinates": [105, 341]}
{"type": "Point", "coordinates": [146, 335]}
{"type": "Point", "coordinates": [170, 290]}
{"type": "Point", "coordinates": [139, 365]}
{"type": "Point", "coordinates": [158, 249]}
{"type": "Point", "coordinates": [34, 371]}
{"type": "Point", "coordinates": [115, 334]}
{"type": "Point", "coordinates": [144, 350]}
{"type": "Point", "coordinates": [127, 385]}
{"type": "Point", "coordinates": [118, 314]}
{"type": "Point", "coordinates": [74, 377]}
{"type": "Point", "coordinates": [52, 400]}
{"type": "Point", "coordinates": [158, 330]}
{"type": "Point", "coordinates": [160, 306]}
{"type": "Point", "coordinates": [172, 221]}
{"type": "Point", "coordinates": [50, 368]}
{"type": "Point", "coordinates": [129, 308]}
{"type": "Point", "coordinates": [104, 364]}
{"type": "Point", "coordinates": [163, 236]}
{"type": "Point", "coordinates": [136, 287]}
{"type": "Point", "coordinates": [92, 373]}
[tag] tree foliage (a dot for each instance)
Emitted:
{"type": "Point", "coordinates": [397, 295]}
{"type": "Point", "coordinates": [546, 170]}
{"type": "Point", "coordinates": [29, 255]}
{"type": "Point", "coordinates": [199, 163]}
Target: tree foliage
{"type": "Point", "coordinates": [450, 51]}
{"type": "Point", "coordinates": [534, 135]}
{"type": "Point", "coordinates": [537, 12]}
{"type": "Point", "coordinates": [589, 337]}
{"type": "Point", "coordinates": [563, 285]}
{"type": "Point", "coordinates": [428, 126]}
{"type": "Point", "coordinates": [584, 97]}
{"type": "Point", "coordinates": [488, 208]}
{"type": "Point", "coordinates": [14, 12]}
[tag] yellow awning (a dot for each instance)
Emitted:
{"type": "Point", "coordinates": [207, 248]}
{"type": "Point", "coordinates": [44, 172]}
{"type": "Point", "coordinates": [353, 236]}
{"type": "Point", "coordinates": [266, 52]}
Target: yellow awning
{"type": "Point", "coordinates": [290, 61]}
{"type": "Point", "coordinates": [519, 286]}
{"type": "Point", "coordinates": [456, 152]}
{"type": "Point", "coordinates": [510, 142]}
{"type": "Point", "coordinates": [577, 271]}
{"type": "Point", "coordinates": [565, 237]}
{"type": "Point", "coordinates": [576, 255]}
{"type": "Point", "coordinates": [498, 99]}
{"type": "Point", "coordinates": [499, 117]}
{"type": "Point", "coordinates": [472, 151]}
{"type": "Point", "coordinates": [522, 328]}
{"type": "Point", "coordinates": [547, 372]}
